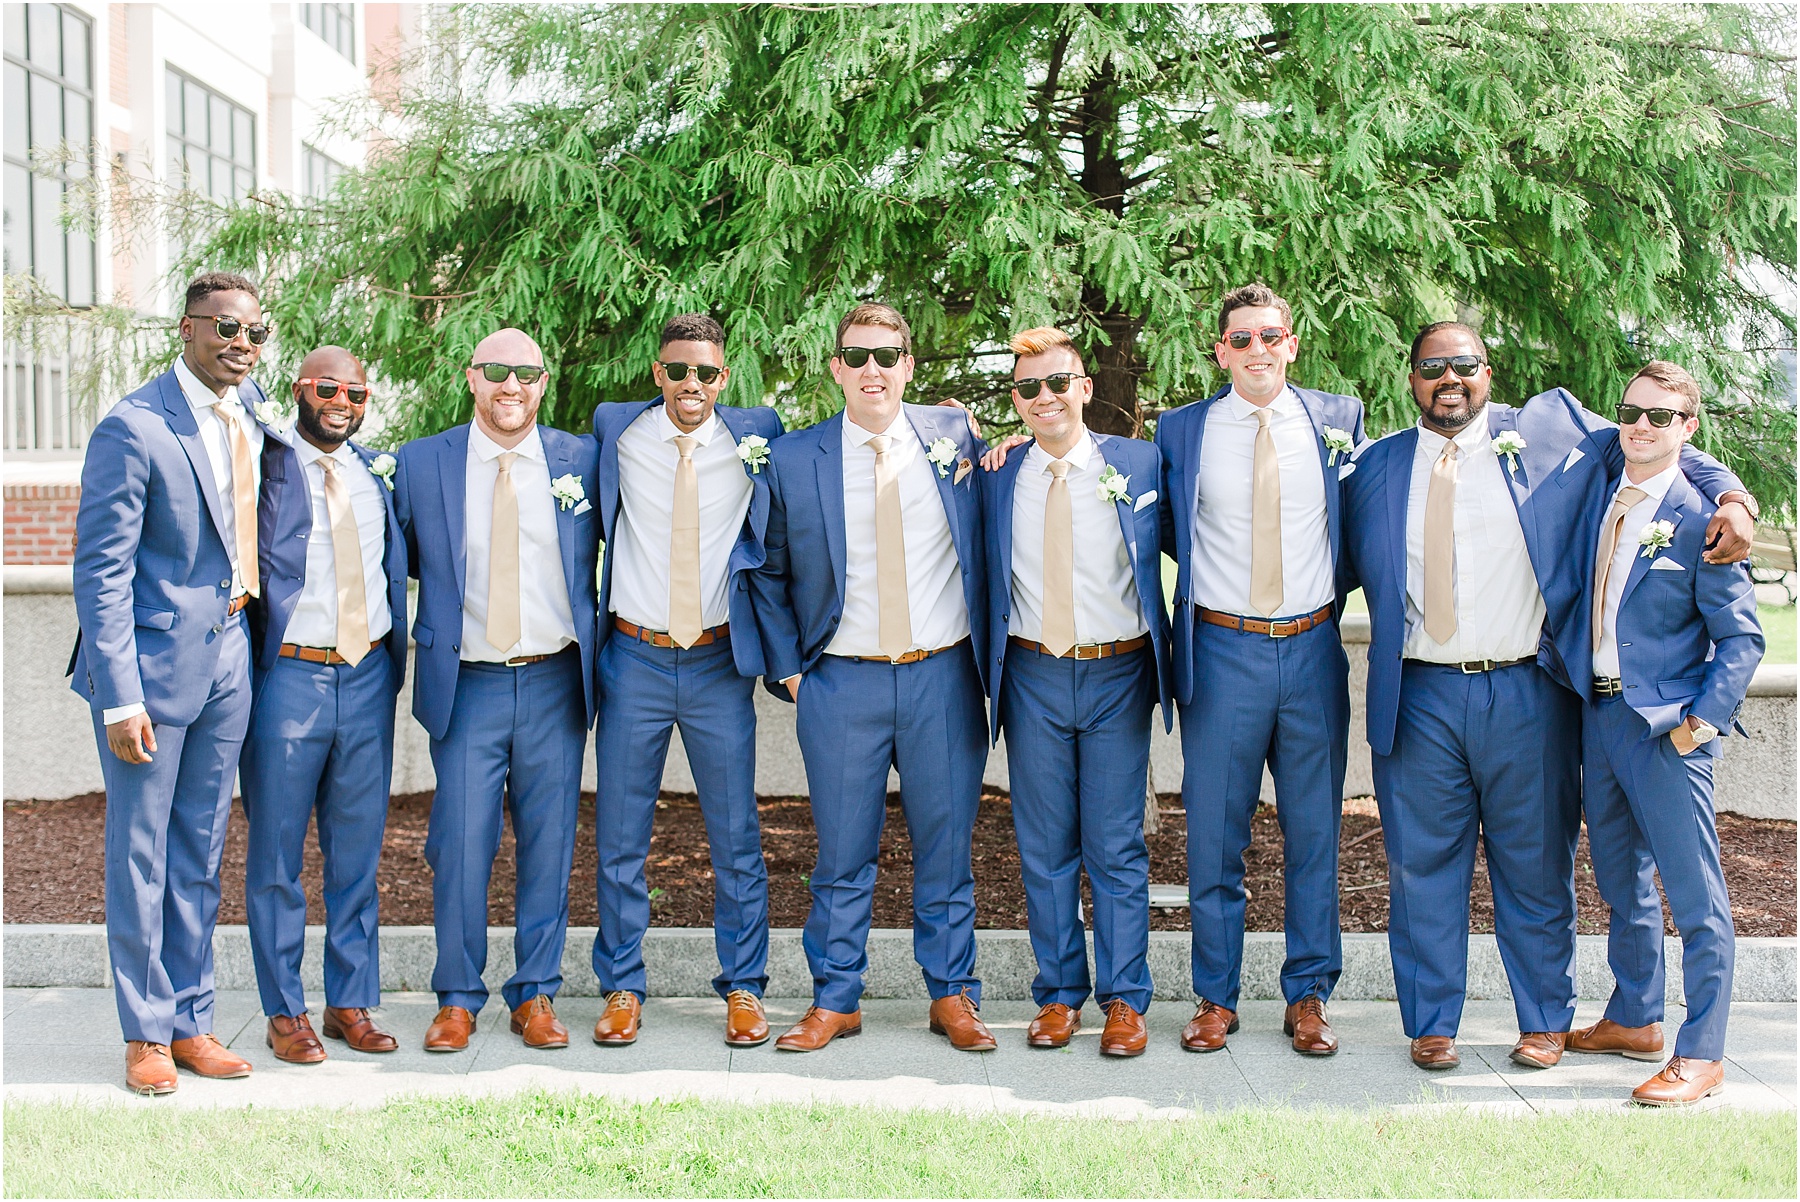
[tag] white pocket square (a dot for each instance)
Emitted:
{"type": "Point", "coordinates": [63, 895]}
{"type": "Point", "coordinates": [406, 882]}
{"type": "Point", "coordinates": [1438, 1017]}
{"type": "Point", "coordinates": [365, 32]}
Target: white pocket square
{"type": "Point", "coordinates": [1665, 564]}
{"type": "Point", "coordinates": [1346, 470]}
{"type": "Point", "coordinates": [1575, 457]}
{"type": "Point", "coordinates": [1145, 501]}
{"type": "Point", "coordinates": [583, 507]}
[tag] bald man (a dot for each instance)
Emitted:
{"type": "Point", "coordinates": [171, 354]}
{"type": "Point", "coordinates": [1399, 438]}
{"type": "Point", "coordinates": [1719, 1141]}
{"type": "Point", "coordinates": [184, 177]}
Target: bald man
{"type": "Point", "coordinates": [504, 540]}
{"type": "Point", "coordinates": [328, 640]}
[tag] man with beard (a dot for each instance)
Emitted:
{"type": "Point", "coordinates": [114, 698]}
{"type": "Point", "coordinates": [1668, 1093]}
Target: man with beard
{"type": "Point", "coordinates": [329, 639]}
{"type": "Point", "coordinates": [1470, 534]}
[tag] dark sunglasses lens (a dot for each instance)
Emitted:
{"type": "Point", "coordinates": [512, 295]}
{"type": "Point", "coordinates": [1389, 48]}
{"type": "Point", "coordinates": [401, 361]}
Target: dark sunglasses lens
{"type": "Point", "coordinates": [706, 373]}
{"type": "Point", "coordinates": [1431, 369]}
{"type": "Point", "coordinates": [1270, 335]}
{"type": "Point", "coordinates": [1059, 383]}
{"type": "Point", "coordinates": [326, 389]}
{"type": "Point", "coordinates": [227, 327]}
{"type": "Point", "coordinates": [528, 375]}
{"type": "Point", "coordinates": [258, 334]}
{"type": "Point", "coordinates": [1465, 365]}
{"type": "Point", "coordinates": [887, 356]}
{"type": "Point", "coordinates": [1660, 418]}
{"type": "Point", "coordinates": [495, 373]}
{"type": "Point", "coordinates": [356, 393]}
{"type": "Point", "coordinates": [1028, 389]}
{"type": "Point", "coordinates": [853, 356]}
{"type": "Point", "coordinates": [675, 371]}
{"type": "Point", "coordinates": [1237, 340]}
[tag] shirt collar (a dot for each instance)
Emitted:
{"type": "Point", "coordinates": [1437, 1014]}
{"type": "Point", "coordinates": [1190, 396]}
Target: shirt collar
{"type": "Point", "coordinates": [487, 450]}
{"type": "Point", "coordinates": [1656, 487]}
{"type": "Point", "coordinates": [667, 430]}
{"type": "Point", "coordinates": [309, 454]}
{"type": "Point", "coordinates": [856, 436]}
{"type": "Point", "coordinates": [1469, 440]}
{"type": "Point", "coordinates": [1078, 458]}
{"type": "Point", "coordinates": [1244, 411]}
{"type": "Point", "coordinates": [199, 395]}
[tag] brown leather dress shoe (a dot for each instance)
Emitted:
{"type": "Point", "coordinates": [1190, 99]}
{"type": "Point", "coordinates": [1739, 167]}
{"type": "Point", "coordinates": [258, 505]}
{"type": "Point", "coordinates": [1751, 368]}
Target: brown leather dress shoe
{"type": "Point", "coordinates": [535, 1022]}
{"type": "Point", "coordinates": [1124, 1033]}
{"type": "Point", "coordinates": [354, 1026]}
{"type": "Point", "coordinates": [1206, 1031]}
{"type": "Point", "coordinates": [450, 1030]}
{"type": "Point", "coordinates": [1305, 1021]}
{"type": "Point", "coordinates": [818, 1027]}
{"type": "Point", "coordinates": [294, 1039]}
{"type": "Point", "coordinates": [1539, 1049]}
{"type": "Point", "coordinates": [1054, 1026]}
{"type": "Point", "coordinates": [746, 1026]}
{"type": "Point", "coordinates": [957, 1017]}
{"type": "Point", "coordinates": [1681, 1083]}
{"type": "Point", "coordinates": [205, 1056]}
{"type": "Point", "coordinates": [619, 1022]}
{"type": "Point", "coordinates": [148, 1069]}
{"type": "Point", "coordinates": [1633, 1043]}
{"type": "Point", "coordinates": [1434, 1052]}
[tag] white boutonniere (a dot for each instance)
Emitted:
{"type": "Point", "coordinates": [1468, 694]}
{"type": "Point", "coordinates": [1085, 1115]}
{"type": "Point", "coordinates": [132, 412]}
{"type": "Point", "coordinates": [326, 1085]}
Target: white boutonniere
{"type": "Point", "coordinates": [1112, 486]}
{"type": "Point", "coordinates": [383, 466]}
{"type": "Point", "coordinates": [753, 449]}
{"type": "Point", "coordinates": [1509, 444]}
{"type": "Point", "coordinates": [1338, 443]}
{"type": "Point", "coordinates": [267, 412]}
{"type": "Point", "coordinates": [1655, 537]}
{"type": "Point", "coordinates": [567, 490]}
{"type": "Point", "coordinates": [942, 454]}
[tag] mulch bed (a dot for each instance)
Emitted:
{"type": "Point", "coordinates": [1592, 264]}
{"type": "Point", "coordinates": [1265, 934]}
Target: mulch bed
{"type": "Point", "coordinates": [54, 873]}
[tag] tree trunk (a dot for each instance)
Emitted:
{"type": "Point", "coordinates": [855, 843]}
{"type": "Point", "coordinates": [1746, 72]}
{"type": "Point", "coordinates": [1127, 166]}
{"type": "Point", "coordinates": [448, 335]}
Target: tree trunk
{"type": "Point", "coordinates": [1114, 366]}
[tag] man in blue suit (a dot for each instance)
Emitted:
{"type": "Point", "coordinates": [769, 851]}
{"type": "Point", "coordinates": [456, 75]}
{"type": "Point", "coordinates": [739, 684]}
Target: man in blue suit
{"type": "Point", "coordinates": [1464, 534]}
{"type": "Point", "coordinates": [684, 501]}
{"type": "Point", "coordinates": [1675, 642]}
{"type": "Point", "coordinates": [1078, 653]}
{"type": "Point", "coordinates": [501, 534]}
{"type": "Point", "coordinates": [329, 645]}
{"type": "Point", "coordinates": [165, 563]}
{"type": "Point", "coordinates": [1251, 479]}
{"type": "Point", "coordinates": [871, 603]}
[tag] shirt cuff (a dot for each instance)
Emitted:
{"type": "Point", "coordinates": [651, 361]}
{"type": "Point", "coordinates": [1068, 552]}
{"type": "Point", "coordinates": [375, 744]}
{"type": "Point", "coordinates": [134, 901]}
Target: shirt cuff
{"type": "Point", "coordinates": [121, 712]}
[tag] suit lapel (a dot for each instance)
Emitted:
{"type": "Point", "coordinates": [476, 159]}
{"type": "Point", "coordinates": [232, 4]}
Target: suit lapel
{"type": "Point", "coordinates": [1189, 480]}
{"type": "Point", "coordinates": [829, 471]}
{"type": "Point", "coordinates": [944, 481]}
{"type": "Point", "coordinates": [453, 478]}
{"type": "Point", "coordinates": [1314, 407]}
{"type": "Point", "coordinates": [1502, 419]}
{"type": "Point", "coordinates": [1669, 511]}
{"type": "Point", "coordinates": [1003, 512]}
{"type": "Point", "coordinates": [181, 419]}
{"type": "Point", "coordinates": [1127, 519]}
{"type": "Point", "coordinates": [609, 471]}
{"type": "Point", "coordinates": [387, 494]}
{"type": "Point", "coordinates": [747, 551]}
{"type": "Point", "coordinates": [1399, 488]}
{"type": "Point", "coordinates": [560, 464]}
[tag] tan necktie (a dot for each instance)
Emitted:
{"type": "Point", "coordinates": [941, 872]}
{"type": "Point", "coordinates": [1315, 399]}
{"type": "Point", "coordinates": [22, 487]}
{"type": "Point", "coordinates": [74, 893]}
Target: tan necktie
{"type": "Point", "coordinates": [1265, 521]}
{"type": "Point", "coordinates": [684, 549]}
{"type": "Point", "coordinates": [1059, 563]}
{"type": "Point", "coordinates": [890, 554]}
{"type": "Point", "coordinates": [1440, 547]}
{"type": "Point", "coordinates": [243, 498]}
{"type": "Point", "coordinates": [503, 560]}
{"type": "Point", "coordinates": [1609, 546]}
{"type": "Point", "coordinates": [346, 550]}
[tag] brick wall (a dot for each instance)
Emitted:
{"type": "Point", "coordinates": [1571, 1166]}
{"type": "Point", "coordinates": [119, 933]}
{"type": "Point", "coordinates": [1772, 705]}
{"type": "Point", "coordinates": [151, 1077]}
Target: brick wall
{"type": "Point", "coordinates": [40, 522]}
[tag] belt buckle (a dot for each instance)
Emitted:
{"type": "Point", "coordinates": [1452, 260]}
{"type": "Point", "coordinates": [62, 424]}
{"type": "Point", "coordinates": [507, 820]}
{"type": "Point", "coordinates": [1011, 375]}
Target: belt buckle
{"type": "Point", "coordinates": [1289, 633]}
{"type": "Point", "coordinates": [1087, 651]}
{"type": "Point", "coordinates": [1474, 667]}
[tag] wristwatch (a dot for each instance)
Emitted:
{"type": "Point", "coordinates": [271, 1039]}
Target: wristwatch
{"type": "Point", "coordinates": [1744, 498]}
{"type": "Point", "coordinates": [1706, 732]}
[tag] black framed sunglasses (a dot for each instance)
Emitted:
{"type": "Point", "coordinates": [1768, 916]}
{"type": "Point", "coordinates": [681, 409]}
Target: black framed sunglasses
{"type": "Point", "coordinates": [1239, 340]}
{"type": "Point", "coordinates": [1463, 365]}
{"type": "Point", "coordinates": [1030, 386]}
{"type": "Point", "coordinates": [856, 356]}
{"type": "Point", "coordinates": [1660, 418]}
{"type": "Point", "coordinates": [496, 373]}
{"type": "Point", "coordinates": [325, 388]}
{"type": "Point", "coordinates": [227, 328]}
{"type": "Point", "coordinates": [706, 373]}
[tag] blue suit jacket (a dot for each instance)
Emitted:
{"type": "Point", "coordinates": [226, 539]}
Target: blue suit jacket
{"type": "Point", "coordinates": [1560, 497]}
{"type": "Point", "coordinates": [799, 589]}
{"type": "Point", "coordinates": [429, 494]}
{"type": "Point", "coordinates": [1689, 639]}
{"type": "Point", "coordinates": [1141, 528]}
{"type": "Point", "coordinates": [284, 531]}
{"type": "Point", "coordinates": [1178, 436]}
{"type": "Point", "coordinates": [152, 575]}
{"type": "Point", "coordinates": [610, 420]}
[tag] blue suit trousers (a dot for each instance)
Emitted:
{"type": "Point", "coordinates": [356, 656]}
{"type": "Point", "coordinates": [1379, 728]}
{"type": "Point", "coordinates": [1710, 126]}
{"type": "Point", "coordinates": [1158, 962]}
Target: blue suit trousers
{"type": "Point", "coordinates": [1492, 757]}
{"type": "Point", "coordinates": [165, 834]}
{"type": "Point", "coordinates": [1650, 810]}
{"type": "Point", "coordinates": [514, 744]}
{"type": "Point", "coordinates": [1284, 702]}
{"type": "Point", "coordinates": [855, 720]}
{"type": "Point", "coordinates": [1078, 747]}
{"type": "Point", "coordinates": [646, 692]}
{"type": "Point", "coordinates": [321, 742]}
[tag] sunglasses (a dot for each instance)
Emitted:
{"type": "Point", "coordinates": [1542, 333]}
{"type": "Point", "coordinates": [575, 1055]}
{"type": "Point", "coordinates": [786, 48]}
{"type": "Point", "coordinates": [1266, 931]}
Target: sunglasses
{"type": "Point", "coordinates": [706, 373]}
{"type": "Point", "coordinates": [1463, 365]}
{"type": "Point", "coordinates": [1238, 340]}
{"type": "Point", "coordinates": [228, 328]}
{"type": "Point", "coordinates": [325, 389]}
{"type": "Point", "coordinates": [496, 373]}
{"type": "Point", "coordinates": [1660, 418]}
{"type": "Point", "coordinates": [1029, 387]}
{"type": "Point", "coordinates": [856, 356]}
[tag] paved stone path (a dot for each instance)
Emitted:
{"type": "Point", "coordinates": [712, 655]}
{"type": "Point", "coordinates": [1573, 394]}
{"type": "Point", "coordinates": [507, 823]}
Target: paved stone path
{"type": "Point", "coordinates": [64, 1044]}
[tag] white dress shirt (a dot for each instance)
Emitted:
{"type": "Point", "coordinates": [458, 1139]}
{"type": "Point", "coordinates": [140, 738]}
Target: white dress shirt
{"type": "Point", "coordinates": [641, 536]}
{"type": "Point", "coordinates": [934, 590]}
{"type": "Point", "coordinates": [546, 623]}
{"type": "Point", "coordinates": [1222, 517]}
{"type": "Point", "coordinates": [314, 620]}
{"type": "Point", "coordinates": [1606, 656]}
{"type": "Point", "coordinates": [1106, 597]}
{"type": "Point", "coordinates": [1499, 609]}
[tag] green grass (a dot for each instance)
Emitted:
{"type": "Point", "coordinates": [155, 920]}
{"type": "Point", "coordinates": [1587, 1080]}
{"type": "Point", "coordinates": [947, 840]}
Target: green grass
{"type": "Point", "coordinates": [1778, 632]}
{"type": "Point", "coordinates": [567, 1145]}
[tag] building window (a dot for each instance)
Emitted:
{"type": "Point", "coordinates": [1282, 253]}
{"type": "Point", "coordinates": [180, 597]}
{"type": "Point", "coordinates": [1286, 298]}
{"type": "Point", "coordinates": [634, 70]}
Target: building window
{"type": "Point", "coordinates": [319, 172]}
{"type": "Point", "coordinates": [49, 103]}
{"type": "Point", "coordinates": [212, 142]}
{"type": "Point", "coordinates": [336, 23]}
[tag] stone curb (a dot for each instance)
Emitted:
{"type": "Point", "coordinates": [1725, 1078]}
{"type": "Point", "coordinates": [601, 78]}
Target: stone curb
{"type": "Point", "coordinates": [681, 963]}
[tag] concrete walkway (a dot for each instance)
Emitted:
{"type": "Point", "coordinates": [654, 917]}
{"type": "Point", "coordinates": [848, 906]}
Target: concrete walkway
{"type": "Point", "coordinates": [65, 1044]}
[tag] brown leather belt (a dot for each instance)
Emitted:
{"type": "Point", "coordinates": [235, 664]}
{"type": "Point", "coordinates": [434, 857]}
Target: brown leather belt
{"type": "Point", "coordinates": [1275, 630]}
{"type": "Point", "coordinates": [519, 661]}
{"type": "Point", "coordinates": [1084, 650]}
{"type": "Point", "coordinates": [237, 604]}
{"type": "Point", "coordinates": [1474, 667]}
{"type": "Point", "coordinates": [911, 657]}
{"type": "Point", "coordinates": [317, 655]}
{"type": "Point", "coordinates": [1608, 686]}
{"type": "Point", "coordinates": [657, 638]}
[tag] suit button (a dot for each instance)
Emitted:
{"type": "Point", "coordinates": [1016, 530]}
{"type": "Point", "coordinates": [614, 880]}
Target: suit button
{"type": "Point", "coordinates": [218, 630]}
{"type": "Point", "coordinates": [1624, 644]}
{"type": "Point", "coordinates": [225, 583]}
{"type": "Point", "coordinates": [454, 647]}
